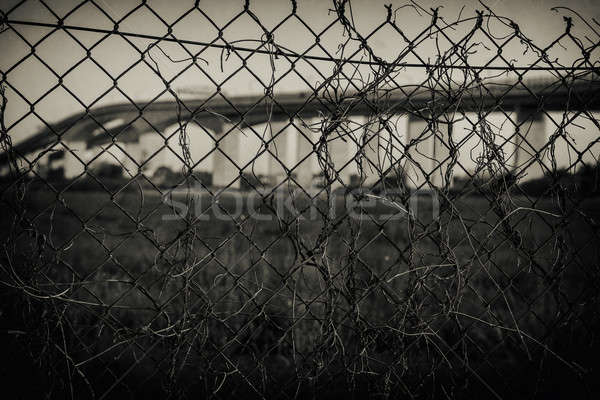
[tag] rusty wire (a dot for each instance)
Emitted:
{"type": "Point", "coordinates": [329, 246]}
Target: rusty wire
{"type": "Point", "coordinates": [490, 290]}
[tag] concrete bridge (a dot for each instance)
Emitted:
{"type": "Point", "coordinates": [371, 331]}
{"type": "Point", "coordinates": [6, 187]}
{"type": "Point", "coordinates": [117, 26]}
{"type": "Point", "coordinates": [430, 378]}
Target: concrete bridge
{"type": "Point", "coordinates": [347, 125]}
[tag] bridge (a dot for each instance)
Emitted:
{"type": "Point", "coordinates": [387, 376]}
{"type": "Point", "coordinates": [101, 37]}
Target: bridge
{"type": "Point", "coordinates": [430, 112]}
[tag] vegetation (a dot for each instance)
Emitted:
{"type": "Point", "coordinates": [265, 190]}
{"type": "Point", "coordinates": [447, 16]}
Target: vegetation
{"type": "Point", "coordinates": [232, 300]}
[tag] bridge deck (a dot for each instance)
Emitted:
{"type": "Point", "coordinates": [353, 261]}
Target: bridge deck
{"type": "Point", "coordinates": [250, 110]}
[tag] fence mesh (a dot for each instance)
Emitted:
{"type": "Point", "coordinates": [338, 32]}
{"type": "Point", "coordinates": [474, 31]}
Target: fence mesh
{"type": "Point", "coordinates": [368, 234]}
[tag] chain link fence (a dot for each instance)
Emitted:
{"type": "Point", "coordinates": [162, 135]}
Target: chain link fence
{"type": "Point", "coordinates": [419, 225]}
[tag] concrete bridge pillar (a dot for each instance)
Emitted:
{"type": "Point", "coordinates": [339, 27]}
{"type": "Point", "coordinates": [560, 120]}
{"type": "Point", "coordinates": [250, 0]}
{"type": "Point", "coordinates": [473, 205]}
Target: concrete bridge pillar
{"type": "Point", "coordinates": [305, 156]}
{"type": "Point", "coordinates": [486, 148]}
{"type": "Point", "coordinates": [337, 146]}
{"type": "Point", "coordinates": [336, 155]}
{"type": "Point", "coordinates": [375, 147]}
{"type": "Point", "coordinates": [530, 138]}
{"type": "Point", "coordinates": [371, 144]}
{"type": "Point", "coordinates": [427, 151]}
{"type": "Point", "coordinates": [152, 156]}
{"type": "Point", "coordinates": [132, 159]}
{"type": "Point", "coordinates": [391, 153]}
{"type": "Point", "coordinates": [279, 138]}
{"type": "Point", "coordinates": [382, 148]}
{"type": "Point", "coordinates": [364, 150]}
{"type": "Point", "coordinates": [225, 172]}
{"type": "Point", "coordinates": [72, 167]}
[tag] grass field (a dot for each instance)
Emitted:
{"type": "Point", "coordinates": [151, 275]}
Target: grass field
{"type": "Point", "coordinates": [486, 293]}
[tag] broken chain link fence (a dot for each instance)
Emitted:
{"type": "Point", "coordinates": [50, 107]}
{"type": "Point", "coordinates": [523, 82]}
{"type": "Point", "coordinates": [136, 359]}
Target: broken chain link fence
{"type": "Point", "coordinates": [383, 237]}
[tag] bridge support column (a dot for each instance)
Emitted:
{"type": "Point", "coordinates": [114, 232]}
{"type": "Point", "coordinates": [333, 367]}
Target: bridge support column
{"type": "Point", "coordinates": [337, 146]}
{"type": "Point", "coordinates": [392, 157]}
{"type": "Point", "coordinates": [382, 150]}
{"type": "Point", "coordinates": [335, 155]}
{"type": "Point", "coordinates": [427, 151]}
{"type": "Point", "coordinates": [131, 159]}
{"type": "Point", "coordinates": [225, 172]}
{"type": "Point", "coordinates": [305, 156]}
{"type": "Point", "coordinates": [278, 148]}
{"type": "Point", "coordinates": [151, 142]}
{"type": "Point", "coordinates": [487, 146]}
{"type": "Point", "coordinates": [371, 143]}
{"type": "Point", "coordinates": [72, 167]}
{"type": "Point", "coordinates": [530, 138]}
{"type": "Point", "coordinates": [364, 150]}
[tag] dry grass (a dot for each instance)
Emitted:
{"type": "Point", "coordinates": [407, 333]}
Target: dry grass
{"type": "Point", "coordinates": [408, 303]}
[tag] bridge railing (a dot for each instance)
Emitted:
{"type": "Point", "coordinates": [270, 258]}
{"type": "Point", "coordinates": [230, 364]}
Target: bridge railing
{"type": "Point", "coordinates": [362, 220]}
